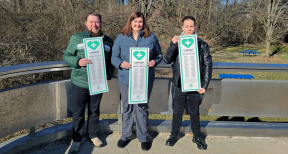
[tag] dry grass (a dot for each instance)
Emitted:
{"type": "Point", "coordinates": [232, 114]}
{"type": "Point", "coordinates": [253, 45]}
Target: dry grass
{"type": "Point", "coordinates": [231, 55]}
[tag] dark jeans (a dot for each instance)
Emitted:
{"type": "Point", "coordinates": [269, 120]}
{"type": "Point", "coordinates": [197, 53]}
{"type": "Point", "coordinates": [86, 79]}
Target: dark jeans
{"type": "Point", "coordinates": [80, 98]}
{"type": "Point", "coordinates": [191, 100]}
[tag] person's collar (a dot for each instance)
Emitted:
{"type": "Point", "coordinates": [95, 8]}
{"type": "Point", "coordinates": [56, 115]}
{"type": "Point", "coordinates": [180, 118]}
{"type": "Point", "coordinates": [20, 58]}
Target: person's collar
{"type": "Point", "coordinates": [130, 34]}
{"type": "Point", "coordinates": [99, 35]}
{"type": "Point", "coordinates": [183, 34]}
{"type": "Point", "coordinates": [140, 34]}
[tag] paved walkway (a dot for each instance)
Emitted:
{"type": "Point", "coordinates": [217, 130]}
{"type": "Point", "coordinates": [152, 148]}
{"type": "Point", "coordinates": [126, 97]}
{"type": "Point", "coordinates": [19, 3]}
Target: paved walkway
{"type": "Point", "coordinates": [216, 145]}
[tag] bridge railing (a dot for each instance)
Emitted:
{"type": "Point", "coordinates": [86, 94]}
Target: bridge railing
{"type": "Point", "coordinates": [27, 106]}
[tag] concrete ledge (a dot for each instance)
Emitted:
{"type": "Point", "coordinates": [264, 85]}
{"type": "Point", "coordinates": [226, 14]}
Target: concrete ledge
{"type": "Point", "coordinates": [46, 135]}
{"type": "Point", "coordinates": [223, 128]}
{"type": "Point", "coordinates": [248, 129]}
{"type": "Point", "coordinates": [253, 129]}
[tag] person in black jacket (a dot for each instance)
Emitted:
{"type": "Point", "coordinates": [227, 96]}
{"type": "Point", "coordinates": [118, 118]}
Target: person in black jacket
{"type": "Point", "coordinates": [192, 99]}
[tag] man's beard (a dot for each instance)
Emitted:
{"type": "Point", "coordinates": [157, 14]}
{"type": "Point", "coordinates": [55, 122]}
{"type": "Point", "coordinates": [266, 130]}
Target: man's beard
{"type": "Point", "coordinates": [95, 33]}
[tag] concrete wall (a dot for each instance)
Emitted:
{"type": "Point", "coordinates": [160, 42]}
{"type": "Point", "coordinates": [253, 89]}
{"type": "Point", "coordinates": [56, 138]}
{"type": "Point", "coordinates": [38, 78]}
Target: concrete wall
{"type": "Point", "coordinates": [28, 106]}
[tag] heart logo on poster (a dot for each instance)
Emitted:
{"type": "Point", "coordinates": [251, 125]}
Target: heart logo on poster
{"type": "Point", "coordinates": [187, 42]}
{"type": "Point", "coordinates": [93, 44]}
{"type": "Point", "coordinates": [139, 54]}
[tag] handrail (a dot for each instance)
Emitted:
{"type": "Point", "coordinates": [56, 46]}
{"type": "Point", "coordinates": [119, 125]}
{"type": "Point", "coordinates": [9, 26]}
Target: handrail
{"type": "Point", "coordinates": [23, 69]}
{"type": "Point", "coordinates": [250, 67]}
{"type": "Point", "coordinates": [43, 102]}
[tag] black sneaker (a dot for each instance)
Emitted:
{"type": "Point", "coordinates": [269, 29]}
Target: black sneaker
{"type": "Point", "coordinates": [145, 146]}
{"type": "Point", "coordinates": [171, 141]}
{"type": "Point", "coordinates": [200, 143]}
{"type": "Point", "coordinates": [122, 144]}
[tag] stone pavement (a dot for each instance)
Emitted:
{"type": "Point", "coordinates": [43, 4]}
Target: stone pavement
{"type": "Point", "coordinates": [216, 145]}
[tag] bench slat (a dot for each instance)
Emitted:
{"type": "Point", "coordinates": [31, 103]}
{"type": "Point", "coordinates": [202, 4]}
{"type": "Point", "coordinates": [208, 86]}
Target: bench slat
{"type": "Point", "coordinates": [238, 76]}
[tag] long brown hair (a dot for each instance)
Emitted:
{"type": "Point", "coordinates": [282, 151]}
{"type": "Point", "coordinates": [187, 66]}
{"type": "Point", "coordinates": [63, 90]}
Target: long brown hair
{"type": "Point", "coordinates": [134, 15]}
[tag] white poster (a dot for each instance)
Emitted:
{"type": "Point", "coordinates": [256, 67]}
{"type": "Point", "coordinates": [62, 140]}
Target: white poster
{"type": "Point", "coordinates": [138, 75]}
{"type": "Point", "coordinates": [96, 71]}
{"type": "Point", "coordinates": [189, 63]}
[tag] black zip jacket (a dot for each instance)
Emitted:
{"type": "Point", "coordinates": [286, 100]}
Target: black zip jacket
{"type": "Point", "coordinates": [205, 63]}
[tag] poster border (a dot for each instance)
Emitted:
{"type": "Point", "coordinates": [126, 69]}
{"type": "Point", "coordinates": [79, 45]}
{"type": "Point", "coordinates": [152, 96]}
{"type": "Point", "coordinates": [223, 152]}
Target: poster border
{"type": "Point", "coordinates": [104, 66]}
{"type": "Point", "coordinates": [130, 74]}
{"type": "Point", "coordinates": [181, 67]}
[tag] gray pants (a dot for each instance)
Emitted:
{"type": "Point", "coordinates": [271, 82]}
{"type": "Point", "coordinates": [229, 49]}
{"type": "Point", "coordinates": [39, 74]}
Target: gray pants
{"type": "Point", "coordinates": [139, 110]}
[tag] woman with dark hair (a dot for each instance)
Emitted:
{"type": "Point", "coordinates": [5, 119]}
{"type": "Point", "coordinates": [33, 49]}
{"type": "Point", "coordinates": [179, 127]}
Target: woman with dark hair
{"type": "Point", "coordinates": [136, 33]}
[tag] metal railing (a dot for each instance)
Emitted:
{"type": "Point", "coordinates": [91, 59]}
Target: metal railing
{"type": "Point", "coordinates": [23, 69]}
{"type": "Point", "coordinates": [30, 105]}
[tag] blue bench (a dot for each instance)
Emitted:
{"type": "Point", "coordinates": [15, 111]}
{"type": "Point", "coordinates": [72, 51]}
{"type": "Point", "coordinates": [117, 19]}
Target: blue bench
{"type": "Point", "coordinates": [254, 53]}
{"type": "Point", "coordinates": [249, 52]}
{"type": "Point", "coordinates": [237, 76]}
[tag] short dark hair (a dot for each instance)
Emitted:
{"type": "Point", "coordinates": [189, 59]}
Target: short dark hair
{"type": "Point", "coordinates": [94, 14]}
{"type": "Point", "coordinates": [187, 18]}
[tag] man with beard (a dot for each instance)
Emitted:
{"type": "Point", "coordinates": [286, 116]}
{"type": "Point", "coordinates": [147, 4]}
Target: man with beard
{"type": "Point", "coordinates": [75, 57]}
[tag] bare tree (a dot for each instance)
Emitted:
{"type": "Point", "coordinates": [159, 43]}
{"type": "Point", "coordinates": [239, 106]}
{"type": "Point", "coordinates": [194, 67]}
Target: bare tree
{"type": "Point", "coordinates": [272, 21]}
{"type": "Point", "coordinates": [44, 27]}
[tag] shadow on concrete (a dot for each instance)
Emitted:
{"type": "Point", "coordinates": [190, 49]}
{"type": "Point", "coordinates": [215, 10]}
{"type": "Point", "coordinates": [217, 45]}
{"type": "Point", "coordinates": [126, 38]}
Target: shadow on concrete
{"type": "Point", "coordinates": [63, 144]}
{"type": "Point", "coordinates": [254, 119]}
{"type": "Point", "coordinates": [237, 119]}
{"type": "Point", "coordinates": [226, 118]}
{"type": "Point", "coordinates": [89, 146]}
{"type": "Point", "coordinates": [154, 135]}
{"type": "Point", "coordinates": [151, 137]}
{"type": "Point", "coordinates": [103, 137]}
{"type": "Point", "coordinates": [180, 135]}
{"type": "Point", "coordinates": [87, 149]}
{"type": "Point", "coordinates": [223, 118]}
